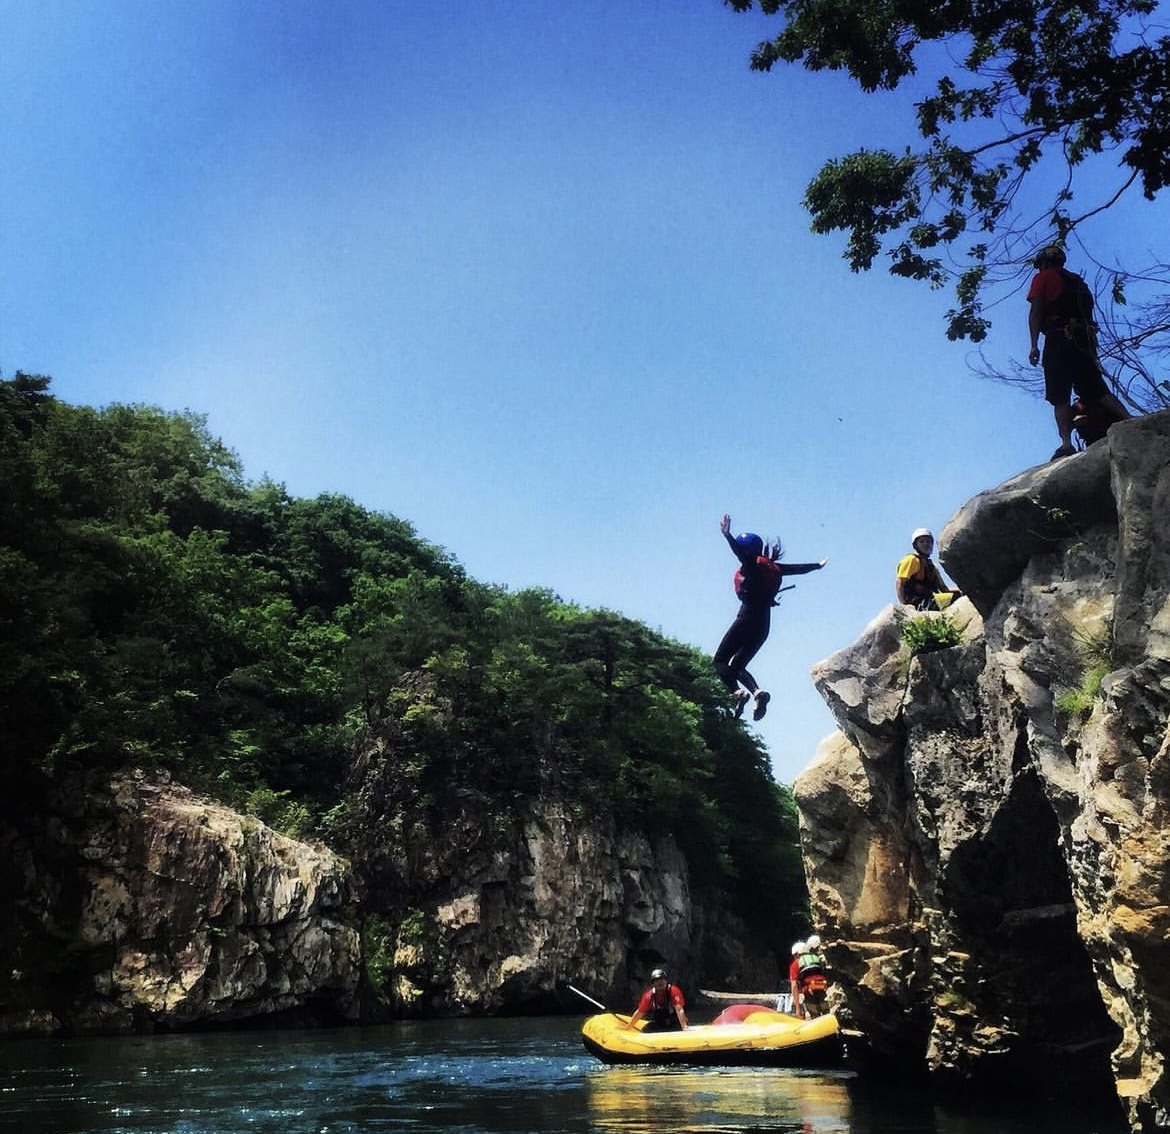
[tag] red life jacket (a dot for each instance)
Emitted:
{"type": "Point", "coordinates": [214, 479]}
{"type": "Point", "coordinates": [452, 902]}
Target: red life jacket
{"type": "Point", "coordinates": [763, 585]}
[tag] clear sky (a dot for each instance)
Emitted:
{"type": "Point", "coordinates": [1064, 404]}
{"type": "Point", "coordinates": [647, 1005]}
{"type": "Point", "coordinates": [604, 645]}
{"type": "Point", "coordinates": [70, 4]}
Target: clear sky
{"type": "Point", "coordinates": [531, 275]}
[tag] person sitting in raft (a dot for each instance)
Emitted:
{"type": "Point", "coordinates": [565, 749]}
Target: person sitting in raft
{"type": "Point", "coordinates": [918, 582]}
{"type": "Point", "coordinates": [662, 1005]}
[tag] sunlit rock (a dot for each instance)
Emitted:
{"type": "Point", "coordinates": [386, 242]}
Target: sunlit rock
{"type": "Point", "coordinates": [189, 914]}
{"type": "Point", "coordinates": [986, 838]}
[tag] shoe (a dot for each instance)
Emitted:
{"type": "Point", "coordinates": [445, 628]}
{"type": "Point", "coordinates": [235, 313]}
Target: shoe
{"type": "Point", "coordinates": [762, 699]}
{"type": "Point", "coordinates": [741, 697]}
{"type": "Point", "coordinates": [1063, 451]}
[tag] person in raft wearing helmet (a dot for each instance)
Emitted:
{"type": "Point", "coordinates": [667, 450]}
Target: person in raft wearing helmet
{"type": "Point", "coordinates": [1060, 307]}
{"type": "Point", "coordinates": [918, 582]}
{"type": "Point", "coordinates": [813, 979]}
{"type": "Point", "coordinates": [798, 947]}
{"type": "Point", "coordinates": [757, 583]}
{"type": "Point", "coordinates": [662, 1005]}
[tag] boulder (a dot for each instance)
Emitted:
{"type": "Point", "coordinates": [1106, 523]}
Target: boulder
{"type": "Point", "coordinates": [168, 910]}
{"type": "Point", "coordinates": [985, 838]}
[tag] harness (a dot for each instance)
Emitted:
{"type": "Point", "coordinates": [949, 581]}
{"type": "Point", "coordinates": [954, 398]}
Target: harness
{"type": "Point", "coordinates": [1071, 312]}
{"type": "Point", "coordinates": [662, 1013]}
{"type": "Point", "coordinates": [761, 584]}
{"type": "Point", "coordinates": [813, 978]}
{"type": "Point", "coordinates": [923, 585]}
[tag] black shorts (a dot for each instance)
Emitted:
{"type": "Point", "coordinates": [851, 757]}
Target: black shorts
{"type": "Point", "coordinates": [1071, 364]}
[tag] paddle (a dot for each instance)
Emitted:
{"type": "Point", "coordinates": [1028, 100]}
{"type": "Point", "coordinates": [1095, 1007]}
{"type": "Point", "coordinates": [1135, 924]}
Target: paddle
{"type": "Point", "coordinates": [596, 1003]}
{"type": "Point", "coordinates": [585, 996]}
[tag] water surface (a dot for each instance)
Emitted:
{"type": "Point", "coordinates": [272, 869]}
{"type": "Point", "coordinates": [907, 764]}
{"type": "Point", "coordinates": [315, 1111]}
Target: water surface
{"type": "Point", "coordinates": [462, 1077]}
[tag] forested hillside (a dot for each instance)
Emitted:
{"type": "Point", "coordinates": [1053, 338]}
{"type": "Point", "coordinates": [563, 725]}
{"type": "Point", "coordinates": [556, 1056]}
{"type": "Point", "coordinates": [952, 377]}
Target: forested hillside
{"type": "Point", "coordinates": [158, 610]}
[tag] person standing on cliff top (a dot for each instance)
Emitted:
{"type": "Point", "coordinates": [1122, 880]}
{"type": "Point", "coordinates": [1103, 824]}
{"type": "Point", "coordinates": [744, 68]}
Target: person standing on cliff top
{"type": "Point", "coordinates": [917, 581]}
{"type": "Point", "coordinates": [662, 1004]}
{"type": "Point", "coordinates": [757, 583]}
{"type": "Point", "coordinates": [1061, 309]}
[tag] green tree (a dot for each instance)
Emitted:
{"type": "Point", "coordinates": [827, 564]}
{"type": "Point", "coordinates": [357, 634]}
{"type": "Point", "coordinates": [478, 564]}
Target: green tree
{"type": "Point", "coordinates": [1030, 97]}
{"type": "Point", "coordinates": [157, 610]}
{"type": "Point", "coordinates": [530, 698]}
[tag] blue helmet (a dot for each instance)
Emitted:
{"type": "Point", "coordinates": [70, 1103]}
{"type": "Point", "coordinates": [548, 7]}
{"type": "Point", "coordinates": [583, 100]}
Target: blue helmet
{"type": "Point", "coordinates": [750, 542]}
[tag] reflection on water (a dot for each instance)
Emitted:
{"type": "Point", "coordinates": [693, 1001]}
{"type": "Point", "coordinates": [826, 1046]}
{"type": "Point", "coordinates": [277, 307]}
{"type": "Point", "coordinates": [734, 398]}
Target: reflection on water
{"type": "Point", "coordinates": [641, 1100]}
{"type": "Point", "coordinates": [444, 1077]}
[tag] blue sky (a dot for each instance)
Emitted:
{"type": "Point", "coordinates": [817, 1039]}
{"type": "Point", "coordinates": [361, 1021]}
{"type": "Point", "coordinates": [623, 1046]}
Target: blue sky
{"type": "Point", "coordinates": [533, 276]}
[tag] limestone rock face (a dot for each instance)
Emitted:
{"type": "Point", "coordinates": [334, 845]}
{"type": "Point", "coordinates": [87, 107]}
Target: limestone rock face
{"type": "Point", "coordinates": [987, 837]}
{"type": "Point", "coordinates": [480, 899]}
{"type": "Point", "coordinates": [489, 918]}
{"type": "Point", "coordinates": [186, 913]}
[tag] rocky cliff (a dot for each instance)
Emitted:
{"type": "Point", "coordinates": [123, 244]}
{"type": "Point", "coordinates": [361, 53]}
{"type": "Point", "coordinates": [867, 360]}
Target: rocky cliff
{"type": "Point", "coordinates": [986, 836]}
{"type": "Point", "coordinates": [481, 905]}
{"type": "Point", "coordinates": [139, 906]}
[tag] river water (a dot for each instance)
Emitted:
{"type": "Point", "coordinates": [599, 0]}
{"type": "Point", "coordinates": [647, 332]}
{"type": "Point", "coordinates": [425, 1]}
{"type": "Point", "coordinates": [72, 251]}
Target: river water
{"type": "Point", "coordinates": [461, 1077]}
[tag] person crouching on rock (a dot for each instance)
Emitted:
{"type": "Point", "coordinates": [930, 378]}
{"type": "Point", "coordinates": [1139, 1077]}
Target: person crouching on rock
{"type": "Point", "coordinates": [662, 1005]}
{"type": "Point", "coordinates": [918, 582]}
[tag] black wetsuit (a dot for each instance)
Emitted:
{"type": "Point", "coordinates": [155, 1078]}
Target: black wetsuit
{"type": "Point", "coordinates": [752, 623]}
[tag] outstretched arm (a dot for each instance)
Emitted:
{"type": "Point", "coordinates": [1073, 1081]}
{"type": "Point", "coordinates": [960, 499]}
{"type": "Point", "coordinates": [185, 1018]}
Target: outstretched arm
{"type": "Point", "coordinates": [736, 550]}
{"type": "Point", "coordinates": [725, 528]}
{"type": "Point", "coordinates": [801, 568]}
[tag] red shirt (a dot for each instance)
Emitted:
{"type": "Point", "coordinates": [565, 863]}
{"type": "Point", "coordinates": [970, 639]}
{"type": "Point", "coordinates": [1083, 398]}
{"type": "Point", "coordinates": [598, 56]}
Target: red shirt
{"type": "Point", "coordinates": [1048, 286]}
{"type": "Point", "coordinates": [671, 992]}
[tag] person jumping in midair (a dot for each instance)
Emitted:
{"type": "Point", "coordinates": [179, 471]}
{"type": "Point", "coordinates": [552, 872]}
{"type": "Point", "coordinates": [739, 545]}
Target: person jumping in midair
{"type": "Point", "coordinates": [757, 583]}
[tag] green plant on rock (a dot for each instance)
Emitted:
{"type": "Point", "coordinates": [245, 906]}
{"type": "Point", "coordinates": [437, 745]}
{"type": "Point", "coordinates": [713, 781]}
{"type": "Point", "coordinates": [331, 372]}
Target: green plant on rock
{"type": "Point", "coordinates": [378, 937]}
{"type": "Point", "coordinates": [1095, 653]}
{"type": "Point", "coordinates": [1056, 523]}
{"type": "Point", "coordinates": [278, 810]}
{"type": "Point", "coordinates": [414, 929]}
{"type": "Point", "coordinates": [925, 633]}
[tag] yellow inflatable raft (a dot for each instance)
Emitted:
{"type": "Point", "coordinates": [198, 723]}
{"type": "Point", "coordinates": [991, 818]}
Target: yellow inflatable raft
{"type": "Point", "coordinates": [758, 1037]}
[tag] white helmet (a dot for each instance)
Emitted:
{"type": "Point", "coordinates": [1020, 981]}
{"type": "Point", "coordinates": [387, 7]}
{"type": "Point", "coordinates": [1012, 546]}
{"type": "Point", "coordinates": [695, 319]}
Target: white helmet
{"type": "Point", "coordinates": [919, 533]}
{"type": "Point", "coordinates": [814, 942]}
{"type": "Point", "coordinates": [799, 947]}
